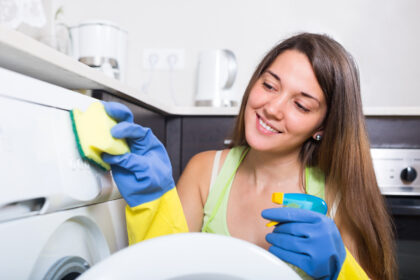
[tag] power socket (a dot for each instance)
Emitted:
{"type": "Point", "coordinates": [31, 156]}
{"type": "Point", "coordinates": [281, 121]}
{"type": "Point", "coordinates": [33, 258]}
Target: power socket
{"type": "Point", "coordinates": [163, 59]}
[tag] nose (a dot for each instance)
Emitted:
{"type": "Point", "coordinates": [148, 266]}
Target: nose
{"type": "Point", "coordinates": [276, 106]}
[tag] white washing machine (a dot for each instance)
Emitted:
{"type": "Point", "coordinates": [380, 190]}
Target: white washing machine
{"type": "Point", "coordinates": [58, 214]}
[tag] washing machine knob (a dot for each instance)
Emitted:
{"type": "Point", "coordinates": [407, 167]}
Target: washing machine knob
{"type": "Point", "coordinates": [408, 174]}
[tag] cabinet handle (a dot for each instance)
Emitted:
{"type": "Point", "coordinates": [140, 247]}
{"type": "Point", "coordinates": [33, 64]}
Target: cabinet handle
{"type": "Point", "coordinates": [227, 142]}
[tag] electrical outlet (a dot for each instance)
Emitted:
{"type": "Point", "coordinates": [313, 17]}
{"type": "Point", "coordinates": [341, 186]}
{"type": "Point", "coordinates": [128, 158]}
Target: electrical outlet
{"type": "Point", "coordinates": [164, 59]}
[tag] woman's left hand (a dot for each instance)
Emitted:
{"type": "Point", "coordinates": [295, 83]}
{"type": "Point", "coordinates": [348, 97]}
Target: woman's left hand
{"type": "Point", "coordinates": [308, 240]}
{"type": "Point", "coordinates": [145, 173]}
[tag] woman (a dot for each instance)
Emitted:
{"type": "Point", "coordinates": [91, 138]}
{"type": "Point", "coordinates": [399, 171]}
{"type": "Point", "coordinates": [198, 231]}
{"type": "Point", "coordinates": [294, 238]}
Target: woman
{"type": "Point", "coordinates": [300, 129]}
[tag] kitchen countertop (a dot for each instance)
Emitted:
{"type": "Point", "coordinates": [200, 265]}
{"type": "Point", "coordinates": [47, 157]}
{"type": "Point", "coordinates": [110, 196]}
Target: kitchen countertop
{"type": "Point", "coordinates": [22, 54]}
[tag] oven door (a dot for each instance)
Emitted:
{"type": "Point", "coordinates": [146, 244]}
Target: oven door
{"type": "Point", "coordinates": [405, 211]}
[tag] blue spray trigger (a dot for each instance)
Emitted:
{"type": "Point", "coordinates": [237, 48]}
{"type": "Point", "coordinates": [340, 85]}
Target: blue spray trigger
{"type": "Point", "coordinates": [299, 200]}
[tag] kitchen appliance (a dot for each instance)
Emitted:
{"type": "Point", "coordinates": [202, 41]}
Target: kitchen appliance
{"type": "Point", "coordinates": [58, 214]}
{"type": "Point", "coordinates": [100, 44]}
{"type": "Point", "coordinates": [397, 173]}
{"type": "Point", "coordinates": [215, 78]}
{"type": "Point", "coordinates": [190, 256]}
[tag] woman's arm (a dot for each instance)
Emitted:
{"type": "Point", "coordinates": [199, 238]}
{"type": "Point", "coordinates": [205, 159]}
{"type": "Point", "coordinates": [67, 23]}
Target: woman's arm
{"type": "Point", "coordinates": [193, 187]}
{"type": "Point", "coordinates": [144, 179]}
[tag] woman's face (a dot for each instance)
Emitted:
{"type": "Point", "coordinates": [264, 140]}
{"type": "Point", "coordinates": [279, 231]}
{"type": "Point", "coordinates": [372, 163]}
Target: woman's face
{"type": "Point", "coordinates": [286, 106]}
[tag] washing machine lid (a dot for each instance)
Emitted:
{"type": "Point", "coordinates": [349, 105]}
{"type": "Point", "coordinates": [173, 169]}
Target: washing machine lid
{"type": "Point", "coordinates": [192, 256]}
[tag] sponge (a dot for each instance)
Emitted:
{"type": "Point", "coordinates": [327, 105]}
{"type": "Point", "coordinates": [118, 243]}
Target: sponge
{"type": "Point", "coordinates": [92, 130]}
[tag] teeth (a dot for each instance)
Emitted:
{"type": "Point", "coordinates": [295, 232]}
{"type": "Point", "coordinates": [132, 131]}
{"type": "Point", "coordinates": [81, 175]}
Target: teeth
{"type": "Point", "coordinates": [266, 126]}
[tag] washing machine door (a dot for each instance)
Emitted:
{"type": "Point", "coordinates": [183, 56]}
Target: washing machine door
{"type": "Point", "coordinates": [190, 256]}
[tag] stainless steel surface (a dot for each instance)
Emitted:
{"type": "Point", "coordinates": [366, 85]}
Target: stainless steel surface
{"type": "Point", "coordinates": [211, 103]}
{"type": "Point", "coordinates": [396, 171]}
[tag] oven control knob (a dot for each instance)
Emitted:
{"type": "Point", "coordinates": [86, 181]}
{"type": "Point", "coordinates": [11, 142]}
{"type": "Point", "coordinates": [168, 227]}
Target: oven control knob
{"type": "Point", "coordinates": [408, 174]}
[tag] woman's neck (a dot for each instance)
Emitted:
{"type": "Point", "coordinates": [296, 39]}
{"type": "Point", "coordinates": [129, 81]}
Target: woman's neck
{"type": "Point", "coordinates": [273, 172]}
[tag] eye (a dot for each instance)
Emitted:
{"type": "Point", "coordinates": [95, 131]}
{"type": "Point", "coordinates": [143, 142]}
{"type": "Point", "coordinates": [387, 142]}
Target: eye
{"type": "Point", "coordinates": [302, 107]}
{"type": "Point", "coordinates": [268, 86]}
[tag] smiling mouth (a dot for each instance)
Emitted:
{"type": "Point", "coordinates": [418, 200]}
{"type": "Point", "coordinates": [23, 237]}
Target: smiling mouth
{"type": "Point", "coordinates": [266, 126]}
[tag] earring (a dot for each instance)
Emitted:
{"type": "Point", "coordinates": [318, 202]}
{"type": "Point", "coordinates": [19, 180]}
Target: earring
{"type": "Point", "coordinates": [318, 137]}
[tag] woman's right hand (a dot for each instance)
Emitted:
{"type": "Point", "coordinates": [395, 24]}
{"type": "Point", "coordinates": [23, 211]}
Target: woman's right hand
{"type": "Point", "coordinates": [308, 240]}
{"type": "Point", "coordinates": [145, 173]}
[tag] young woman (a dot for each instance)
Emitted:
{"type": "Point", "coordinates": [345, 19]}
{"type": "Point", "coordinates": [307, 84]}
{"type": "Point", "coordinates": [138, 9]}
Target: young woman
{"type": "Point", "coordinates": [300, 129]}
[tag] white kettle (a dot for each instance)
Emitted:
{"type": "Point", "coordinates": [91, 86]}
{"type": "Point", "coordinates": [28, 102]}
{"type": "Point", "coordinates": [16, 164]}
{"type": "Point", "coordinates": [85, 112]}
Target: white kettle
{"type": "Point", "coordinates": [100, 44]}
{"type": "Point", "coordinates": [215, 78]}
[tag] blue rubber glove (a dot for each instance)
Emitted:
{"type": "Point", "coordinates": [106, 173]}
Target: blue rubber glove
{"type": "Point", "coordinates": [145, 173]}
{"type": "Point", "coordinates": [308, 240]}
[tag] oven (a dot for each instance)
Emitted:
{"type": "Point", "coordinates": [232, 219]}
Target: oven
{"type": "Point", "coordinates": [397, 172]}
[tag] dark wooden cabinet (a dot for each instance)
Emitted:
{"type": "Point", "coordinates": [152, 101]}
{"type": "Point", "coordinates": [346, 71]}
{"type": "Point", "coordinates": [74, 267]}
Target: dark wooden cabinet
{"type": "Point", "coordinates": [196, 134]}
{"type": "Point", "coordinates": [204, 133]}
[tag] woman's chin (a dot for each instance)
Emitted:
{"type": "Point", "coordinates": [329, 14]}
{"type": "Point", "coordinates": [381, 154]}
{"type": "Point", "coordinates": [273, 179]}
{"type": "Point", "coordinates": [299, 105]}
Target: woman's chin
{"type": "Point", "coordinates": [260, 144]}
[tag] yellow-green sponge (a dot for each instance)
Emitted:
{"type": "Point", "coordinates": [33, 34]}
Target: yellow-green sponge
{"type": "Point", "coordinates": [92, 130]}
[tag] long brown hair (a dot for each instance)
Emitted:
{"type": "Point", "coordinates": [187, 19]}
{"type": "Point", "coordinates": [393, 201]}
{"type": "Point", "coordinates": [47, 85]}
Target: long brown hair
{"type": "Point", "coordinates": [344, 152]}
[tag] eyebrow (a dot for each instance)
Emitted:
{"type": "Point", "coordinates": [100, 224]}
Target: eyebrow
{"type": "Point", "coordinates": [309, 96]}
{"type": "Point", "coordinates": [275, 76]}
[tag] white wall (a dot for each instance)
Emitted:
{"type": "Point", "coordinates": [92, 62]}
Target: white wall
{"type": "Point", "coordinates": [382, 35]}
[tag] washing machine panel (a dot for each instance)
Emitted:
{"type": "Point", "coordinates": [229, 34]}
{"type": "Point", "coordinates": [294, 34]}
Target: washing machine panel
{"type": "Point", "coordinates": [27, 146]}
{"type": "Point", "coordinates": [43, 164]}
{"type": "Point", "coordinates": [58, 214]}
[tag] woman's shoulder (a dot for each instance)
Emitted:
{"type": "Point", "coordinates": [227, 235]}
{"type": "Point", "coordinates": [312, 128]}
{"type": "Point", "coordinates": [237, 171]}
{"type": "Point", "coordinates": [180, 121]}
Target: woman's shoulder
{"type": "Point", "coordinates": [197, 173]}
{"type": "Point", "coordinates": [207, 157]}
{"type": "Point", "coordinates": [204, 160]}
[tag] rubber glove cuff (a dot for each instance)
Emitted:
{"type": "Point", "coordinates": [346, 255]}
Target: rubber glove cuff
{"type": "Point", "coordinates": [140, 189]}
